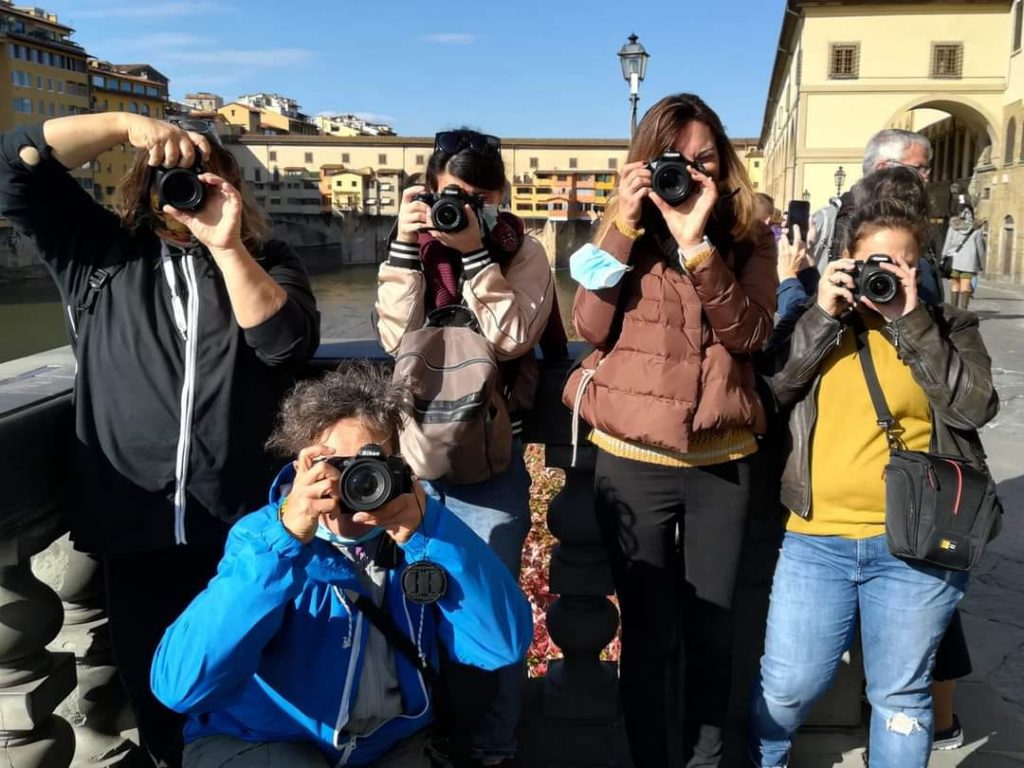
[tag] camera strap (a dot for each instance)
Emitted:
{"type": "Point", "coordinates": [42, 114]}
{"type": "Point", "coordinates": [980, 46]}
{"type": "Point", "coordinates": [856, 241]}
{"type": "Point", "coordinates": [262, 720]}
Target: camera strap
{"type": "Point", "coordinates": [380, 618]}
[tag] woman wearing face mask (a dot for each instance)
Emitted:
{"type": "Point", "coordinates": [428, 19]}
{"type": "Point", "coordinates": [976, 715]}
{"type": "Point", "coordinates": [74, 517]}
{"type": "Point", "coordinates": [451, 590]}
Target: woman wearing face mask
{"type": "Point", "coordinates": [503, 277]}
{"type": "Point", "coordinates": [966, 244]}
{"type": "Point", "coordinates": [675, 298]}
{"type": "Point", "coordinates": [186, 327]}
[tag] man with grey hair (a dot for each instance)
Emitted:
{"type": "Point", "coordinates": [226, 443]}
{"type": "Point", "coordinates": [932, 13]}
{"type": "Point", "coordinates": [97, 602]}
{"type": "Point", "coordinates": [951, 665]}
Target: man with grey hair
{"type": "Point", "coordinates": [887, 148]}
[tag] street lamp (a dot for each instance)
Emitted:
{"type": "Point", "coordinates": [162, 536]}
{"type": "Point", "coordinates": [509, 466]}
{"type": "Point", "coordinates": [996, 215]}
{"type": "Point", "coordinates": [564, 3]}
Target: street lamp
{"type": "Point", "coordinates": [807, 196]}
{"type": "Point", "coordinates": [633, 59]}
{"type": "Point", "coordinates": [840, 177]}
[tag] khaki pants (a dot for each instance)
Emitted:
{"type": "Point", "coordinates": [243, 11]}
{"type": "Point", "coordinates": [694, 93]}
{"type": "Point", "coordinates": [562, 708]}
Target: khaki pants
{"type": "Point", "coordinates": [229, 752]}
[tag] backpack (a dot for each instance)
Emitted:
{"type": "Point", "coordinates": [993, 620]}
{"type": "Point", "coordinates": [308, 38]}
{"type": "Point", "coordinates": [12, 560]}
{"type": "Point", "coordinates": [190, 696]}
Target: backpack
{"type": "Point", "coordinates": [460, 429]}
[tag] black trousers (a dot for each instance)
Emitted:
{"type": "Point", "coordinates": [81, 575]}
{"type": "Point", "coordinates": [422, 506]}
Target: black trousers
{"type": "Point", "coordinates": [952, 659]}
{"type": "Point", "coordinates": [146, 592]}
{"type": "Point", "coordinates": [673, 538]}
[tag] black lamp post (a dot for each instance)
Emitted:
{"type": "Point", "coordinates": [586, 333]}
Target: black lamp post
{"type": "Point", "coordinates": [633, 59]}
{"type": "Point", "coordinates": [840, 177]}
{"type": "Point", "coordinates": [807, 195]}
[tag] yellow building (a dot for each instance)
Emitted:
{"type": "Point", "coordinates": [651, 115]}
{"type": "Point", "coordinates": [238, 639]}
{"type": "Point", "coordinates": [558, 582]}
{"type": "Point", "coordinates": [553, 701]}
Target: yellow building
{"type": "Point", "coordinates": [43, 73]}
{"type": "Point", "coordinates": [241, 116]}
{"type": "Point", "coordinates": [135, 88]}
{"type": "Point", "coordinates": [951, 69]}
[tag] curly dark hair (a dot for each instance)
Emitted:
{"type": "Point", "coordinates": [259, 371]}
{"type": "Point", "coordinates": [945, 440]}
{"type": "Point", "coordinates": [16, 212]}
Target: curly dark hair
{"type": "Point", "coordinates": [358, 388]}
{"type": "Point", "coordinates": [888, 213]}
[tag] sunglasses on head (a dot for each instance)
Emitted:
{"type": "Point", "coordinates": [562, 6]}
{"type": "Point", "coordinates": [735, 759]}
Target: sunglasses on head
{"type": "Point", "coordinates": [202, 127]}
{"type": "Point", "coordinates": [453, 142]}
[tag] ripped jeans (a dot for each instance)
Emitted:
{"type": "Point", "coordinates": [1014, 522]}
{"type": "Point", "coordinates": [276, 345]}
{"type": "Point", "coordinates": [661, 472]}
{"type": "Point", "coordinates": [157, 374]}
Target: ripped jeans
{"type": "Point", "coordinates": [822, 585]}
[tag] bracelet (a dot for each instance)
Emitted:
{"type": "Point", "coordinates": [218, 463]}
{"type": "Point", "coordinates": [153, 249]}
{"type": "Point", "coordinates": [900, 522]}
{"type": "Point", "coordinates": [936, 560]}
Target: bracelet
{"type": "Point", "coordinates": [627, 230]}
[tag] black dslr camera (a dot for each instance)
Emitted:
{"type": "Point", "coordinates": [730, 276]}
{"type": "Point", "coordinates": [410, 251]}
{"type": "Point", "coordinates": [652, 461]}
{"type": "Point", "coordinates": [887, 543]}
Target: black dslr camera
{"type": "Point", "coordinates": [370, 479]}
{"type": "Point", "coordinates": [447, 208]}
{"type": "Point", "coordinates": [671, 177]}
{"type": "Point", "coordinates": [180, 187]}
{"type": "Point", "coordinates": [873, 282]}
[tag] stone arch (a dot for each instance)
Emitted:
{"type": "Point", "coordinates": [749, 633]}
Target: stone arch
{"type": "Point", "coordinates": [965, 110]}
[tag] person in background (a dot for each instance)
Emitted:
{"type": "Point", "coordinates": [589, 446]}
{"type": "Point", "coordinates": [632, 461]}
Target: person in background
{"type": "Point", "coordinates": [291, 656]}
{"type": "Point", "coordinates": [187, 327]}
{"type": "Point", "coordinates": [766, 212]}
{"type": "Point", "coordinates": [502, 275]}
{"type": "Point", "coordinates": [965, 243]}
{"type": "Point", "coordinates": [675, 299]}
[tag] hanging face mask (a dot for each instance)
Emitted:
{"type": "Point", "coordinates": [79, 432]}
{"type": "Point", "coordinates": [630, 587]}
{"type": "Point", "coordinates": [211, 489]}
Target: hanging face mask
{"type": "Point", "coordinates": [325, 533]}
{"type": "Point", "coordinates": [489, 217]}
{"type": "Point", "coordinates": [595, 269]}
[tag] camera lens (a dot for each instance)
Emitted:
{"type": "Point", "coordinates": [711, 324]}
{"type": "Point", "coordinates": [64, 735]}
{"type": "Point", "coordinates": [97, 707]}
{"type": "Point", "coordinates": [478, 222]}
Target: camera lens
{"type": "Point", "coordinates": [672, 183]}
{"type": "Point", "coordinates": [448, 217]}
{"type": "Point", "coordinates": [182, 189]}
{"type": "Point", "coordinates": [365, 486]}
{"type": "Point", "coordinates": [881, 287]}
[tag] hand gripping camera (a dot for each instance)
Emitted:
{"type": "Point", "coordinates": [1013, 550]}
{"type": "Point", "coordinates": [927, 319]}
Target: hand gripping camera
{"type": "Point", "coordinates": [447, 209]}
{"type": "Point", "coordinates": [370, 479]}
{"type": "Point", "coordinates": [180, 187]}
{"type": "Point", "coordinates": [873, 282]}
{"type": "Point", "coordinates": [671, 177]}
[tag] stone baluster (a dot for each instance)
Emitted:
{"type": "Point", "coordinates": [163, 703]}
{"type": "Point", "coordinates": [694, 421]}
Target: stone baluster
{"type": "Point", "coordinates": [33, 681]}
{"type": "Point", "coordinates": [580, 692]}
{"type": "Point", "coordinates": [98, 708]}
{"type": "Point", "coordinates": [581, 621]}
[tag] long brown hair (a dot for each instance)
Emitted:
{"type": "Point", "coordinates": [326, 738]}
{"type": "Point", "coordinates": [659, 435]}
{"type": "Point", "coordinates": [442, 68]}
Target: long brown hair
{"type": "Point", "coordinates": [657, 133]}
{"type": "Point", "coordinates": [133, 206]}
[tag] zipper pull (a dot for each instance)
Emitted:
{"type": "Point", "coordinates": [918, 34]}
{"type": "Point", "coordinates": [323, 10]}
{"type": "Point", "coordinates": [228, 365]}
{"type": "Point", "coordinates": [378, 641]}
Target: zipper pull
{"type": "Point", "coordinates": [839, 335]}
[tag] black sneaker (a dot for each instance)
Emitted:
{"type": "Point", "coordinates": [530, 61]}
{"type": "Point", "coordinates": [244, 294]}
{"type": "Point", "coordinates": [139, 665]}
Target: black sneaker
{"type": "Point", "coordinates": [951, 738]}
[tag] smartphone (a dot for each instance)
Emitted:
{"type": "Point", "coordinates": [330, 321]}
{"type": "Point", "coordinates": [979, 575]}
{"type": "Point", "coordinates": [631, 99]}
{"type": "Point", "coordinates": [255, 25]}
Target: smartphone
{"type": "Point", "coordinates": [799, 213]}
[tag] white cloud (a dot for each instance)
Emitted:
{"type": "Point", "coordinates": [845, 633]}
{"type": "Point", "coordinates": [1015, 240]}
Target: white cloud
{"type": "Point", "coordinates": [195, 8]}
{"type": "Point", "coordinates": [450, 38]}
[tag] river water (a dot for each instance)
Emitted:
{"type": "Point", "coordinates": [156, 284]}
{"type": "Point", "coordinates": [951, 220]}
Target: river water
{"type": "Point", "coordinates": [31, 319]}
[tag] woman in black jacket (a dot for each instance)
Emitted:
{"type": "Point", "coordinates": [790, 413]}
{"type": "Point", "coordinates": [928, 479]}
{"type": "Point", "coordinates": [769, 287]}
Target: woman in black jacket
{"type": "Point", "coordinates": [185, 326]}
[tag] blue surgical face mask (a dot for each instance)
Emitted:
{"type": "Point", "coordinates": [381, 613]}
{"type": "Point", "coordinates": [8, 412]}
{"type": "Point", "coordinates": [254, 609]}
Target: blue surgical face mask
{"type": "Point", "coordinates": [489, 216]}
{"type": "Point", "coordinates": [595, 269]}
{"type": "Point", "coordinates": [325, 533]}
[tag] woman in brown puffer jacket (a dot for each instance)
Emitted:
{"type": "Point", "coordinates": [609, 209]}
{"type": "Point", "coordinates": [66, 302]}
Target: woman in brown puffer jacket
{"type": "Point", "coordinates": [670, 394]}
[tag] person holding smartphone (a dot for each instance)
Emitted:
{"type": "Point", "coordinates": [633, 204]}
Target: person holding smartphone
{"type": "Point", "coordinates": [675, 298]}
{"type": "Point", "coordinates": [187, 326]}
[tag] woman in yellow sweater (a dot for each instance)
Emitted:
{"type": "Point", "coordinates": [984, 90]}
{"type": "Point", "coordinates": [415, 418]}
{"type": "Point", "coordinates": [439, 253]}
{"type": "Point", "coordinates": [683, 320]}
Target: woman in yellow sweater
{"type": "Point", "coordinates": [835, 565]}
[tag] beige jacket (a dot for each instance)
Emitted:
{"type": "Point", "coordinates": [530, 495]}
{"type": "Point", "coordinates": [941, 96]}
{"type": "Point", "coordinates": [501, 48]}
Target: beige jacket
{"type": "Point", "coordinates": [512, 305]}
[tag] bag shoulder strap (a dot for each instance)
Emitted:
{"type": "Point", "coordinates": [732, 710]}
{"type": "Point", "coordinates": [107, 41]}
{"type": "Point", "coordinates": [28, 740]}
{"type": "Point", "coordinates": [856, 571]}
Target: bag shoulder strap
{"type": "Point", "coordinates": [98, 280]}
{"type": "Point", "coordinates": [883, 415]}
{"type": "Point", "coordinates": [383, 622]}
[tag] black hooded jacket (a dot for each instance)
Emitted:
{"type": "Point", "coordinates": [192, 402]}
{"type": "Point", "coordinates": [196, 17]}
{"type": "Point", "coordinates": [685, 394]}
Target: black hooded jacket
{"type": "Point", "coordinates": [173, 400]}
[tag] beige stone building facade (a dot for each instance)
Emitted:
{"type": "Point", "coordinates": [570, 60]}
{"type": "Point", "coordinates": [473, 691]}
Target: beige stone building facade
{"type": "Point", "coordinates": [549, 178]}
{"type": "Point", "coordinates": [952, 69]}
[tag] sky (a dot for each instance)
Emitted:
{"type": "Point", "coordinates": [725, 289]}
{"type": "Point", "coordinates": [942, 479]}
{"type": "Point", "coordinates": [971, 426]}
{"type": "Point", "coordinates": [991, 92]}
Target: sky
{"type": "Point", "coordinates": [526, 68]}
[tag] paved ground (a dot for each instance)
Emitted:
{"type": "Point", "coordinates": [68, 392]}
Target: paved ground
{"type": "Point", "coordinates": [990, 703]}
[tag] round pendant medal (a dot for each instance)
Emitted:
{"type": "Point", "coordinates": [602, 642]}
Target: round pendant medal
{"type": "Point", "coordinates": [424, 582]}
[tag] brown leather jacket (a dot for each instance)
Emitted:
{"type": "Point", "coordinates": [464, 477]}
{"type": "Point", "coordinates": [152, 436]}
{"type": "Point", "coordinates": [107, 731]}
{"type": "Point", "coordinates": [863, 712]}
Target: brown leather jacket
{"type": "Point", "coordinates": [944, 350]}
{"type": "Point", "coordinates": [680, 363]}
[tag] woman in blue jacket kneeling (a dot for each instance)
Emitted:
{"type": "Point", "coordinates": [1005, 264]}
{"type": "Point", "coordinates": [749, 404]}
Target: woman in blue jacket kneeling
{"type": "Point", "coordinates": [281, 660]}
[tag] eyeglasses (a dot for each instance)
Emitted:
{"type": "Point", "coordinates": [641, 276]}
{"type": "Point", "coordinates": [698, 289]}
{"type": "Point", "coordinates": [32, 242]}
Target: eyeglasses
{"type": "Point", "coordinates": [924, 171]}
{"type": "Point", "coordinates": [453, 142]}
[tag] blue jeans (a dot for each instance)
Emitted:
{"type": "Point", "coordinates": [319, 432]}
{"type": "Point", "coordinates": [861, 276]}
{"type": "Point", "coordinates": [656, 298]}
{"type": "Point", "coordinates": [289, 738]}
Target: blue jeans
{"type": "Point", "coordinates": [822, 584]}
{"type": "Point", "coordinates": [498, 511]}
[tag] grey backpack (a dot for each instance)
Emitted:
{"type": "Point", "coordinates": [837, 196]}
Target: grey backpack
{"type": "Point", "coordinates": [460, 429]}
